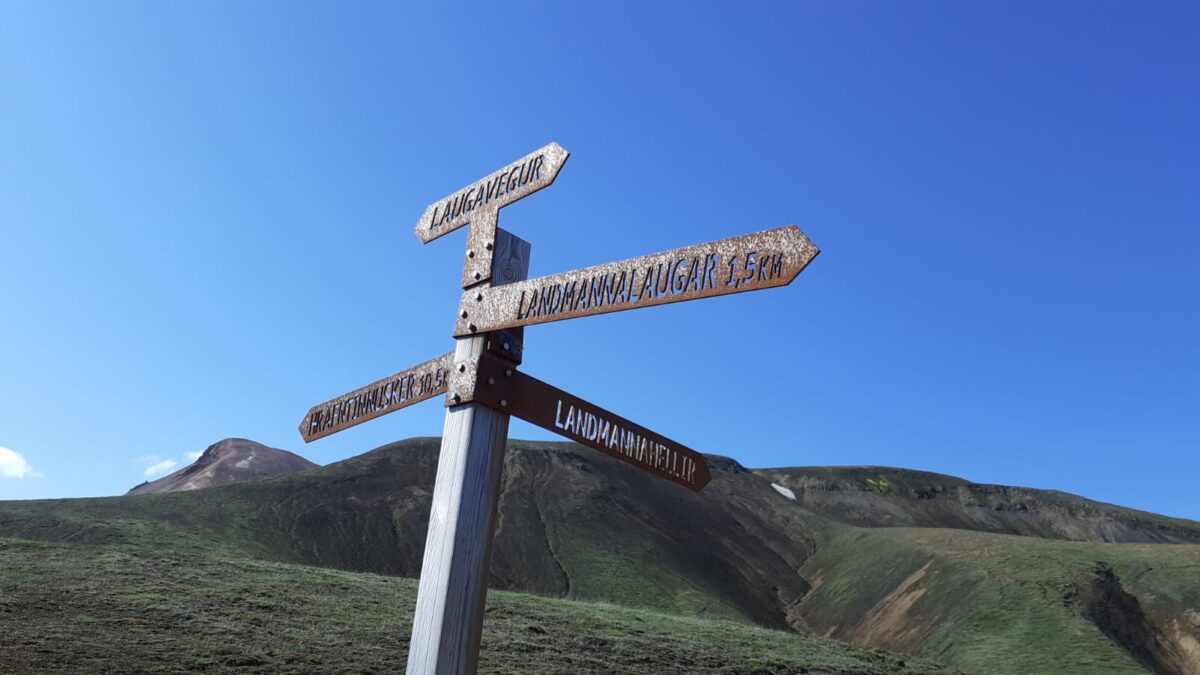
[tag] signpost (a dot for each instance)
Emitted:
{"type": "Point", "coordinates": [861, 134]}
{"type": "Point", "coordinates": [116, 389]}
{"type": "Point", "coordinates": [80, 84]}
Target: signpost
{"type": "Point", "coordinates": [483, 386]}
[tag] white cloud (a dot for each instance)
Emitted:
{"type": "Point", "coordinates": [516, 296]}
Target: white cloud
{"type": "Point", "coordinates": [159, 468]}
{"type": "Point", "coordinates": [13, 465]}
{"type": "Point", "coordinates": [156, 466]}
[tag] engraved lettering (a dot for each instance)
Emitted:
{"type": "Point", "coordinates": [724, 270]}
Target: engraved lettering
{"type": "Point", "coordinates": [648, 284]}
{"type": "Point", "coordinates": [662, 283]}
{"type": "Point", "coordinates": [615, 291]}
{"type": "Point", "coordinates": [596, 298]}
{"type": "Point", "coordinates": [710, 271]}
{"type": "Point", "coordinates": [680, 280]}
{"type": "Point", "coordinates": [568, 300]}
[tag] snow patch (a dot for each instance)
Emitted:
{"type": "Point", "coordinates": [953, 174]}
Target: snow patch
{"type": "Point", "coordinates": [245, 462]}
{"type": "Point", "coordinates": [784, 491]}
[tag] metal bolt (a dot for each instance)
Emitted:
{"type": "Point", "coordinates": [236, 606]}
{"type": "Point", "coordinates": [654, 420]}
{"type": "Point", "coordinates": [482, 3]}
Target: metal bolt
{"type": "Point", "coordinates": [506, 346]}
{"type": "Point", "coordinates": [508, 373]}
{"type": "Point", "coordinates": [491, 380]}
{"type": "Point", "coordinates": [503, 403]}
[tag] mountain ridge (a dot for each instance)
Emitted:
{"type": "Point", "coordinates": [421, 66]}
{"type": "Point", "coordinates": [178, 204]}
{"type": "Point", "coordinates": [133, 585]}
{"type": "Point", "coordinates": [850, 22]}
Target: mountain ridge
{"type": "Point", "coordinates": [577, 524]}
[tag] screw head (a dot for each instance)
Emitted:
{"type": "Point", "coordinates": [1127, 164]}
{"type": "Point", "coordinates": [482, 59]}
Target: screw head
{"type": "Point", "coordinates": [491, 380]}
{"type": "Point", "coordinates": [504, 402]}
{"type": "Point", "coordinates": [507, 346]}
{"type": "Point", "coordinates": [508, 373]}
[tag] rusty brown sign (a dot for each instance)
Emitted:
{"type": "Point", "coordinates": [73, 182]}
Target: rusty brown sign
{"type": "Point", "coordinates": [392, 393]}
{"type": "Point", "coordinates": [481, 199]}
{"type": "Point", "coordinates": [750, 262]}
{"type": "Point", "coordinates": [501, 387]}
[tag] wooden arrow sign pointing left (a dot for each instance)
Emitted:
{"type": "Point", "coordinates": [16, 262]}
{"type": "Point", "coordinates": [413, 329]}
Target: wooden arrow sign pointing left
{"type": "Point", "coordinates": [419, 383]}
{"type": "Point", "coordinates": [499, 386]}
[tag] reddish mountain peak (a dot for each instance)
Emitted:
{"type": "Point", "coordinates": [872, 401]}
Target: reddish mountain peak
{"type": "Point", "coordinates": [228, 461]}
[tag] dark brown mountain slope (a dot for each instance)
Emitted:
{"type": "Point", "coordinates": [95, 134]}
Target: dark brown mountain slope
{"type": "Point", "coordinates": [229, 461]}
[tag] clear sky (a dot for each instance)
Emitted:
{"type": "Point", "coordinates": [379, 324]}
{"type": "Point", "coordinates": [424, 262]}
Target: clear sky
{"type": "Point", "coordinates": [206, 215]}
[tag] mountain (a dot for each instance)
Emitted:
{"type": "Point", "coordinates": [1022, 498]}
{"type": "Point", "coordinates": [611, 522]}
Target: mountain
{"type": "Point", "coordinates": [887, 497]}
{"type": "Point", "coordinates": [972, 576]}
{"type": "Point", "coordinates": [229, 461]}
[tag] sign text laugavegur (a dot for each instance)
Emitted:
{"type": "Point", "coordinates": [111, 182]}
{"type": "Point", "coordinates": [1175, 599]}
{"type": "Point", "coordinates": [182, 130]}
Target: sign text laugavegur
{"type": "Point", "coordinates": [454, 207]}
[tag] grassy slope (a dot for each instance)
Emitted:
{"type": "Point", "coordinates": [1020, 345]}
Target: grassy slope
{"type": "Point", "coordinates": [980, 602]}
{"type": "Point", "coordinates": [571, 524]}
{"type": "Point", "coordinates": [1008, 604]}
{"type": "Point", "coordinates": [135, 608]}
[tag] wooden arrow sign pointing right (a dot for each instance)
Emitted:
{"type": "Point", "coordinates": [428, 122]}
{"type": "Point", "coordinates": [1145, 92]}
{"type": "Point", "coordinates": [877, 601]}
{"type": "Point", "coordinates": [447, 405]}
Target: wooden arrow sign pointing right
{"type": "Point", "coordinates": [747, 263]}
{"type": "Point", "coordinates": [501, 387]}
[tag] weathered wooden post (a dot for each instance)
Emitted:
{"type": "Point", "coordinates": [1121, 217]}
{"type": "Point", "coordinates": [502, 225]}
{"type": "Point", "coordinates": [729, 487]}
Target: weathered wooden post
{"type": "Point", "coordinates": [483, 387]}
{"type": "Point", "coordinates": [458, 546]}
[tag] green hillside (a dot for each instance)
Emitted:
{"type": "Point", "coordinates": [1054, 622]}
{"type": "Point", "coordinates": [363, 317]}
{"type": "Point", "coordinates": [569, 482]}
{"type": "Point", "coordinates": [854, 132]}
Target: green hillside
{"type": "Point", "coordinates": [953, 585]}
{"type": "Point", "coordinates": [132, 608]}
{"type": "Point", "coordinates": [1001, 603]}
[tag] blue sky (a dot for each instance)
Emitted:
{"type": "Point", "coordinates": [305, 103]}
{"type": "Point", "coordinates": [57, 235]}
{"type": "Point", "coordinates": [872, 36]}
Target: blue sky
{"type": "Point", "coordinates": [206, 216]}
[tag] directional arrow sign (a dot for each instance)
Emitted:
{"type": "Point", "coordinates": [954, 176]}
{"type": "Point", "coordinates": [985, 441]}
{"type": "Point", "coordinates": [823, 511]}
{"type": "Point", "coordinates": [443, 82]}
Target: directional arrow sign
{"type": "Point", "coordinates": [501, 387]}
{"type": "Point", "coordinates": [748, 263]}
{"type": "Point", "coordinates": [481, 200]}
{"type": "Point", "coordinates": [378, 398]}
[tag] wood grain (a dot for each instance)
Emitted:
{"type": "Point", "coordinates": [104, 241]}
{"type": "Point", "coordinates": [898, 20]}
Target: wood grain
{"type": "Point", "coordinates": [454, 571]}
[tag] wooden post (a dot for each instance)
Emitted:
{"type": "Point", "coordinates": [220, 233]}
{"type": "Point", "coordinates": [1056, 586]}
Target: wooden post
{"type": "Point", "coordinates": [454, 572]}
